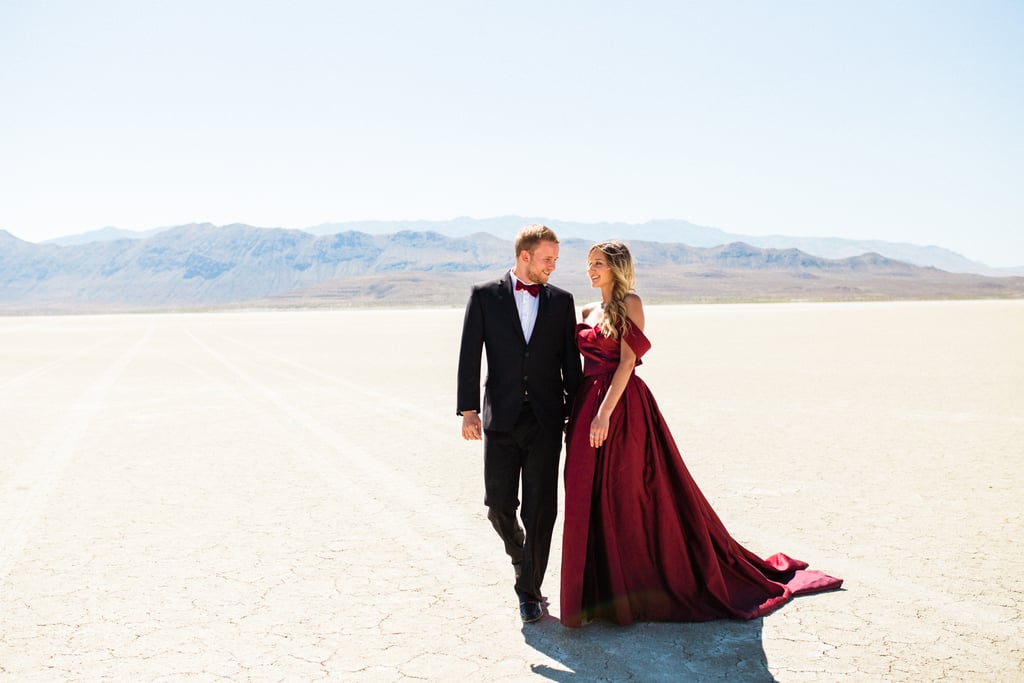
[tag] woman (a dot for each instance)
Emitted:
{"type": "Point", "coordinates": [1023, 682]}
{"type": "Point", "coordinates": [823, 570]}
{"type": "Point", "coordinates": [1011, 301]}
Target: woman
{"type": "Point", "coordinates": [641, 543]}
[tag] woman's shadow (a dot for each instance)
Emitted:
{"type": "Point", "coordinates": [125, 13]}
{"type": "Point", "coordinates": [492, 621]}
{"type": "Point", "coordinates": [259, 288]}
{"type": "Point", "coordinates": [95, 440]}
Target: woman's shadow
{"type": "Point", "coordinates": [709, 651]}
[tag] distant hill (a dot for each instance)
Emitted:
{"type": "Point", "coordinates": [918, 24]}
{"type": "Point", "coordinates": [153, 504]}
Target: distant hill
{"type": "Point", "coordinates": [203, 265]}
{"type": "Point", "coordinates": [104, 235]}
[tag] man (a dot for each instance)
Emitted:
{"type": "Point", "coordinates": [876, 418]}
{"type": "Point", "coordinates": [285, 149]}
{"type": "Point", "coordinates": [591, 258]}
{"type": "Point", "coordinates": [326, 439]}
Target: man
{"type": "Point", "coordinates": [533, 369]}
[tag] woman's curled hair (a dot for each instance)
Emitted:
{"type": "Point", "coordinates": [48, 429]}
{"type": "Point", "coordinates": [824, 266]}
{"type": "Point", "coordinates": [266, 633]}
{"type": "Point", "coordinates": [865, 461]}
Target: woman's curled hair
{"type": "Point", "coordinates": [614, 321]}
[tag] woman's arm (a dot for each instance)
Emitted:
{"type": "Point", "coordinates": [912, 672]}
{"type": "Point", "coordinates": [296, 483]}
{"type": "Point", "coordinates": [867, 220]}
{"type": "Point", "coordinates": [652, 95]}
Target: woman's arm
{"type": "Point", "coordinates": [627, 360]}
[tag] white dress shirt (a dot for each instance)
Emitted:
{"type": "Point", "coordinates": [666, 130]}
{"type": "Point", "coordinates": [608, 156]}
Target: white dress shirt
{"type": "Point", "coordinates": [527, 305]}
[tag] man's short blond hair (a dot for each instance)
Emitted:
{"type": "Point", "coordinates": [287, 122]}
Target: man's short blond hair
{"type": "Point", "coordinates": [532, 235]}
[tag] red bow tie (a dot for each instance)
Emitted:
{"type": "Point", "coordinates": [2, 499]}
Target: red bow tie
{"type": "Point", "coordinates": [534, 290]}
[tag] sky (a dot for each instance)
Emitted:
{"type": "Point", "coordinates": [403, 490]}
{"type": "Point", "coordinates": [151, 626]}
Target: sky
{"type": "Point", "coordinates": [901, 121]}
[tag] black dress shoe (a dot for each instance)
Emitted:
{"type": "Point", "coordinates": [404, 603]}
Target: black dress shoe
{"type": "Point", "coordinates": [530, 611]}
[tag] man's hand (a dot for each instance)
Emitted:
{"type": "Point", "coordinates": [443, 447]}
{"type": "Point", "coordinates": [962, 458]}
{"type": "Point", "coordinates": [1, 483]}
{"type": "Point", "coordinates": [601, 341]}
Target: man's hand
{"type": "Point", "coordinates": [471, 426]}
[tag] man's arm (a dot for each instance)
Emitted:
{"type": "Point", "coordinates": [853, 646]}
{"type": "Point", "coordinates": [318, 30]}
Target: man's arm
{"type": "Point", "coordinates": [470, 350]}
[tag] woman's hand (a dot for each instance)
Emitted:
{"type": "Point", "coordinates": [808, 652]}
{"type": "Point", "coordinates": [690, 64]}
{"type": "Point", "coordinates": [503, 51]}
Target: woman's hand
{"type": "Point", "coordinates": [598, 430]}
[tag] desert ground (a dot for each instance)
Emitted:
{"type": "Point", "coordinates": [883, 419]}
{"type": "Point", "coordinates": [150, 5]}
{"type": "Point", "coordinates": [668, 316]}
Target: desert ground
{"type": "Point", "coordinates": [284, 496]}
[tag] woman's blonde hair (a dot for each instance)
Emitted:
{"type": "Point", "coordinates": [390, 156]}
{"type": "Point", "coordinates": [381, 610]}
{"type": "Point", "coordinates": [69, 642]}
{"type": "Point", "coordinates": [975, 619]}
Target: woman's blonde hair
{"type": "Point", "coordinates": [614, 321]}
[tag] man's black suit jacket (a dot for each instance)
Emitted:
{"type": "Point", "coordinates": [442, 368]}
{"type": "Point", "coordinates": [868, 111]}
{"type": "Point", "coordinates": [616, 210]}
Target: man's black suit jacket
{"type": "Point", "coordinates": [547, 369]}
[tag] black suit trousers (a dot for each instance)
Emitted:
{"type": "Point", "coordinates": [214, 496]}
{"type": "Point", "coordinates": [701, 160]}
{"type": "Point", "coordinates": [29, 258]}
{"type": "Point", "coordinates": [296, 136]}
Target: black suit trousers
{"type": "Point", "coordinates": [526, 457]}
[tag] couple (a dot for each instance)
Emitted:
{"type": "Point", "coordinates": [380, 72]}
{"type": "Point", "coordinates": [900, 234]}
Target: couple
{"type": "Point", "coordinates": [640, 543]}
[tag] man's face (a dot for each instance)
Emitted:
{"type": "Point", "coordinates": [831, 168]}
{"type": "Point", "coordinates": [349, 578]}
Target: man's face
{"type": "Point", "coordinates": [541, 263]}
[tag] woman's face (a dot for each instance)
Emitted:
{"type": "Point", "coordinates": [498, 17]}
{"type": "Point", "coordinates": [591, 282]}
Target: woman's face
{"type": "Point", "coordinates": [598, 269]}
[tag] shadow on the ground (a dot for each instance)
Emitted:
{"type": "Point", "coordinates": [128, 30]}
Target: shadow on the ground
{"type": "Point", "coordinates": [711, 651]}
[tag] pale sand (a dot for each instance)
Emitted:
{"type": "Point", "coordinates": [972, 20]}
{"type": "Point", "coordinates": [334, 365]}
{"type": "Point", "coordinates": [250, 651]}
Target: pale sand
{"type": "Point", "coordinates": [284, 496]}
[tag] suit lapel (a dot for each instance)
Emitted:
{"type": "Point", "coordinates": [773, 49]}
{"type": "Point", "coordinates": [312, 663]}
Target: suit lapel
{"type": "Point", "coordinates": [543, 300]}
{"type": "Point", "coordinates": [509, 302]}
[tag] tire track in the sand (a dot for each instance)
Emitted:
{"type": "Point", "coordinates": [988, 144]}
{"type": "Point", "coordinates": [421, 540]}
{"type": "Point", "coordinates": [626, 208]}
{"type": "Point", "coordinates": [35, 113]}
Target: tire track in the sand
{"type": "Point", "coordinates": [27, 492]}
{"type": "Point", "coordinates": [360, 473]}
{"type": "Point", "coordinates": [32, 374]}
{"type": "Point", "coordinates": [413, 410]}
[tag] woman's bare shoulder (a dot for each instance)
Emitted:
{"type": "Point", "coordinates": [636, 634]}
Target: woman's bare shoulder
{"type": "Point", "coordinates": [635, 309]}
{"type": "Point", "coordinates": [634, 303]}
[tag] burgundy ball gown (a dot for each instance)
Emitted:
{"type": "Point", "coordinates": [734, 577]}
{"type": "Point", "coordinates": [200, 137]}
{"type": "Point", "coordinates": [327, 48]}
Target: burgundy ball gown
{"type": "Point", "coordinates": [641, 542]}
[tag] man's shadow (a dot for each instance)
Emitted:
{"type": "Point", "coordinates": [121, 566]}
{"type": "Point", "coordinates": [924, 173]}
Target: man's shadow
{"type": "Point", "coordinates": [710, 651]}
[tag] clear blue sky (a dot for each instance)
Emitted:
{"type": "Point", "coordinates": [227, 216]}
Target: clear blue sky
{"type": "Point", "coordinates": [888, 120]}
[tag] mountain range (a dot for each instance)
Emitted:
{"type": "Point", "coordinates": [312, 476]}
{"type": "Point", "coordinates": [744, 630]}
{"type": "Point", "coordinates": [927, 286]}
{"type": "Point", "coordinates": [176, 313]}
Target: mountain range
{"type": "Point", "coordinates": [668, 231]}
{"type": "Point", "coordinates": [202, 265]}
